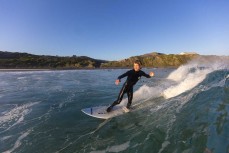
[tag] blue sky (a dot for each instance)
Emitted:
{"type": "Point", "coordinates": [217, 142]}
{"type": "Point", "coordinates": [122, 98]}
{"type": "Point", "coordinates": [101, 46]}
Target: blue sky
{"type": "Point", "coordinates": [114, 29]}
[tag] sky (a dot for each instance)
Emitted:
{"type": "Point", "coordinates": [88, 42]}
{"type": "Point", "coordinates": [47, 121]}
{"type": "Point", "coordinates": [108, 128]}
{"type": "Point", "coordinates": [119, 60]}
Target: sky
{"type": "Point", "coordinates": [114, 29]}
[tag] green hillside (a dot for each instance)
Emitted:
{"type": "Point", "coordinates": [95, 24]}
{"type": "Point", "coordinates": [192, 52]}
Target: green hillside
{"type": "Point", "coordinates": [15, 60]}
{"type": "Point", "coordinates": [153, 60]}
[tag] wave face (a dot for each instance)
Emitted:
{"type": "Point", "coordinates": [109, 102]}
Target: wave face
{"type": "Point", "coordinates": [183, 110]}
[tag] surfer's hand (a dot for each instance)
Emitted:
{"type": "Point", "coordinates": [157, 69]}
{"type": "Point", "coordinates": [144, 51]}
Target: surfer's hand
{"type": "Point", "coordinates": [151, 74]}
{"type": "Point", "coordinates": [117, 81]}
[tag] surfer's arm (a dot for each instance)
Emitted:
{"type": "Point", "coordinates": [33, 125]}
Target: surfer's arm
{"type": "Point", "coordinates": [151, 74]}
{"type": "Point", "coordinates": [120, 77]}
{"type": "Point", "coordinates": [123, 75]}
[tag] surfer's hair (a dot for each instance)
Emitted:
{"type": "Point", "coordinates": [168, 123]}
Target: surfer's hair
{"type": "Point", "coordinates": [138, 62]}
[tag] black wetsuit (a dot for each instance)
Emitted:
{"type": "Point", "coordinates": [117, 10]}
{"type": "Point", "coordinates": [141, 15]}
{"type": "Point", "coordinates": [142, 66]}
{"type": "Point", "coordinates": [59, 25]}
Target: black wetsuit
{"type": "Point", "coordinates": [132, 78]}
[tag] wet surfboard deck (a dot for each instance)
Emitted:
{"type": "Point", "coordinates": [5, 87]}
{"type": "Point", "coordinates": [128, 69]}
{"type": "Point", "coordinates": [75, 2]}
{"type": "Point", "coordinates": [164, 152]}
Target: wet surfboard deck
{"type": "Point", "coordinates": [101, 111]}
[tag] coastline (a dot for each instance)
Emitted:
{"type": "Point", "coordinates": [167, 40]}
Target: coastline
{"type": "Point", "coordinates": [13, 70]}
{"type": "Point", "coordinates": [105, 68]}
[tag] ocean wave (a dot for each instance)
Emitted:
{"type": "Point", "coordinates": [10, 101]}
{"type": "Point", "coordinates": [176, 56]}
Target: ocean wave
{"type": "Point", "coordinates": [192, 74]}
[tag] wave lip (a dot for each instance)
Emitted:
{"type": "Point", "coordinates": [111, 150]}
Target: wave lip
{"type": "Point", "coordinates": [190, 75]}
{"type": "Point", "coordinates": [191, 80]}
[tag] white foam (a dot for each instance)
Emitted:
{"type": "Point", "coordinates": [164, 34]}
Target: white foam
{"type": "Point", "coordinates": [190, 75]}
{"type": "Point", "coordinates": [191, 80]}
{"type": "Point", "coordinates": [146, 92]}
{"type": "Point", "coordinates": [23, 114]}
{"type": "Point", "coordinates": [21, 78]}
{"type": "Point", "coordinates": [16, 114]}
{"type": "Point", "coordinates": [179, 74]}
{"type": "Point", "coordinates": [116, 148]}
{"type": "Point", "coordinates": [119, 148]}
{"type": "Point", "coordinates": [5, 138]}
{"type": "Point", "coordinates": [18, 142]}
{"type": "Point", "coordinates": [164, 145]}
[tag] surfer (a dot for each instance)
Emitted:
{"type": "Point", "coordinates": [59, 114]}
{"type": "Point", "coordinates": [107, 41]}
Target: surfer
{"type": "Point", "coordinates": [132, 78]}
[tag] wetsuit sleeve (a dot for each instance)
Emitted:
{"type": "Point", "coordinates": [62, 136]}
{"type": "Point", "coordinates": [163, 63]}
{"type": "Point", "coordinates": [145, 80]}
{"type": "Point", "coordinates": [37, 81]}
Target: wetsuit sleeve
{"type": "Point", "coordinates": [123, 75]}
{"type": "Point", "coordinates": [146, 75]}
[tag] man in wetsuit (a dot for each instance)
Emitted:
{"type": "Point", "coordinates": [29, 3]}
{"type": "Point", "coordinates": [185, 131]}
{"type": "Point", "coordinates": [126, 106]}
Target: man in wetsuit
{"type": "Point", "coordinates": [132, 78]}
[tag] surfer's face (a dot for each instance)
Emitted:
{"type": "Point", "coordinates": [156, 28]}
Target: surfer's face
{"type": "Point", "coordinates": [136, 67]}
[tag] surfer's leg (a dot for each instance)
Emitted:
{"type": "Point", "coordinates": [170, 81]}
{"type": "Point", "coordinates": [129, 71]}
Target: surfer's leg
{"type": "Point", "coordinates": [120, 96]}
{"type": "Point", "coordinates": [130, 97]}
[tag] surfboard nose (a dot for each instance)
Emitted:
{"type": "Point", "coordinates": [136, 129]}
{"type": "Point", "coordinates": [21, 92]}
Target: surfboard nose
{"type": "Point", "coordinates": [87, 111]}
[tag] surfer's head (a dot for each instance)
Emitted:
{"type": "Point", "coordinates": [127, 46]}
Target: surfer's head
{"type": "Point", "coordinates": [137, 65]}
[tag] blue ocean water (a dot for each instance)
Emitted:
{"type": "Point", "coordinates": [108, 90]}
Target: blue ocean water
{"type": "Point", "coordinates": [178, 110]}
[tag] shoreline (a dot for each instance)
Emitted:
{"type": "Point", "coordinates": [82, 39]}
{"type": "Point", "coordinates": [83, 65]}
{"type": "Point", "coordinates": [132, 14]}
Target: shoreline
{"type": "Point", "coordinates": [13, 70]}
{"type": "Point", "coordinates": [111, 68]}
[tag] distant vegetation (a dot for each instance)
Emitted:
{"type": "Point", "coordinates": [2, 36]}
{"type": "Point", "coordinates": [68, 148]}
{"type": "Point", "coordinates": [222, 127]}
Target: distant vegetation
{"type": "Point", "coordinates": [153, 60]}
{"type": "Point", "coordinates": [10, 60]}
{"type": "Point", "coordinates": [15, 60]}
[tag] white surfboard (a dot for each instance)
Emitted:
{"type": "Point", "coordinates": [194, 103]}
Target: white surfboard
{"type": "Point", "coordinates": [101, 111]}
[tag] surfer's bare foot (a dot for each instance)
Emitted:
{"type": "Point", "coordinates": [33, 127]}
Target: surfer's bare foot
{"type": "Point", "coordinates": [126, 109]}
{"type": "Point", "coordinates": [109, 109]}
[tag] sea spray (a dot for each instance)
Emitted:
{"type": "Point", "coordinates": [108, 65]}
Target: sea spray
{"type": "Point", "coordinates": [190, 75]}
{"type": "Point", "coordinates": [191, 80]}
{"type": "Point", "coordinates": [145, 92]}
